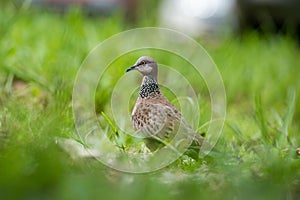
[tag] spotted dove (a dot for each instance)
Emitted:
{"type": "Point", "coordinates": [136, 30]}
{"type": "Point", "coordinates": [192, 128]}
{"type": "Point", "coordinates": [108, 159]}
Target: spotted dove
{"type": "Point", "coordinates": [153, 114]}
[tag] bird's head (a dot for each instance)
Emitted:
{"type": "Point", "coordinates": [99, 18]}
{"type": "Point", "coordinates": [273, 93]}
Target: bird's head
{"type": "Point", "coordinates": [146, 66]}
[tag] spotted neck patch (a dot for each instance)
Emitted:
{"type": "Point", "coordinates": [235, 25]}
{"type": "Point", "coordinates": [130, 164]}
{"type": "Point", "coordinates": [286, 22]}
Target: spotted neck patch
{"type": "Point", "coordinates": [149, 87]}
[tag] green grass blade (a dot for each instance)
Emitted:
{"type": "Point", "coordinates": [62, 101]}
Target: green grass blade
{"type": "Point", "coordinates": [236, 130]}
{"type": "Point", "coordinates": [111, 124]}
{"type": "Point", "coordinates": [289, 113]}
{"type": "Point", "coordinates": [261, 119]}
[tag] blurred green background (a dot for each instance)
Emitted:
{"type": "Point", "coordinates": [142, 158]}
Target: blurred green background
{"type": "Point", "coordinates": [43, 45]}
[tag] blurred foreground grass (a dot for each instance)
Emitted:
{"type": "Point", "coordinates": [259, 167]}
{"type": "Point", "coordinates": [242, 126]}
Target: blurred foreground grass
{"type": "Point", "coordinates": [40, 55]}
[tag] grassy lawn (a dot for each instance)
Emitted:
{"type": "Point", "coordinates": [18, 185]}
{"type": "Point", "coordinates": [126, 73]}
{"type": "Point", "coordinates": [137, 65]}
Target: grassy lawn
{"type": "Point", "coordinates": [40, 53]}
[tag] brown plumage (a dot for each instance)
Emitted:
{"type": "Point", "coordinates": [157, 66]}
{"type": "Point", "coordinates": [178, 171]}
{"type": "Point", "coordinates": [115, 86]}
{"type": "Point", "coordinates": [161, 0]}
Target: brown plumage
{"type": "Point", "coordinates": [153, 114]}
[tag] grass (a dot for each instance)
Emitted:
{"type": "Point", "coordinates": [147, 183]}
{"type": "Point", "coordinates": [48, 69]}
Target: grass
{"type": "Point", "coordinates": [40, 55]}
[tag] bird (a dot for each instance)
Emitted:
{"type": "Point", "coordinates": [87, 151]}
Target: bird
{"type": "Point", "coordinates": [153, 114]}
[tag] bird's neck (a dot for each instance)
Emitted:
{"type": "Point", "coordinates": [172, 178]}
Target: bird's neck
{"type": "Point", "coordinates": [149, 87]}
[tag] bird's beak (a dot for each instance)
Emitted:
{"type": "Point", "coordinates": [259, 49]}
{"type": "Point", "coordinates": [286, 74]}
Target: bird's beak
{"type": "Point", "coordinates": [131, 68]}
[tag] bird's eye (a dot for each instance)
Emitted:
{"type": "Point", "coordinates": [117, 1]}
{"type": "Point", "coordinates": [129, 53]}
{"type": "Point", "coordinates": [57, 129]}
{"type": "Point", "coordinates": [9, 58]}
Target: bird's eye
{"type": "Point", "coordinates": [143, 62]}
